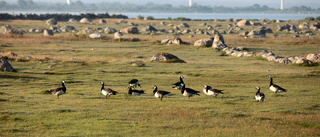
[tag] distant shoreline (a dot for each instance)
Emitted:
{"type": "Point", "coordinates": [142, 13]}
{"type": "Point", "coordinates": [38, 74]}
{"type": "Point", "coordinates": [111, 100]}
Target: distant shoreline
{"type": "Point", "coordinates": [193, 16]}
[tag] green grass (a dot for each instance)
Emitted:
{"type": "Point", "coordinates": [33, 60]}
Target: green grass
{"type": "Point", "coordinates": [84, 111]}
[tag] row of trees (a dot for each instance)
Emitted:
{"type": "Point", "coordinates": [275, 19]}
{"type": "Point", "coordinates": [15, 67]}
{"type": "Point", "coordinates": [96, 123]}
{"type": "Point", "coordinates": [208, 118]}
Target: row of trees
{"type": "Point", "coordinates": [78, 6]}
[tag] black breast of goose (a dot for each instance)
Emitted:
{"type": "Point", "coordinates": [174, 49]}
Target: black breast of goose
{"type": "Point", "coordinates": [259, 95]}
{"type": "Point", "coordinates": [177, 85]}
{"type": "Point", "coordinates": [134, 92]}
{"type": "Point", "coordinates": [134, 83]}
{"type": "Point", "coordinates": [211, 91]}
{"type": "Point", "coordinates": [159, 93]}
{"type": "Point", "coordinates": [107, 91]}
{"type": "Point", "coordinates": [275, 88]}
{"type": "Point", "coordinates": [188, 92]}
{"type": "Point", "coordinates": [58, 91]}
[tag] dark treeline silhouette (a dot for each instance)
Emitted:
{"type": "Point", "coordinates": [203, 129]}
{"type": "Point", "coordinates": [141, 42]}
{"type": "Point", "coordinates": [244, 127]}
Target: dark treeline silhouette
{"type": "Point", "coordinates": [78, 6]}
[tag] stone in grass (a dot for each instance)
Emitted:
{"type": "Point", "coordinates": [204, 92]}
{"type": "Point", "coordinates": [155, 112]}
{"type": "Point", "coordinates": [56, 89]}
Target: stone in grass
{"type": "Point", "coordinates": [166, 58]}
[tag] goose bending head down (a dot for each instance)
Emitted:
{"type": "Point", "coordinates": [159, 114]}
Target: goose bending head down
{"type": "Point", "coordinates": [159, 93]}
{"type": "Point", "coordinates": [259, 95]}
{"type": "Point", "coordinates": [134, 83]}
{"type": "Point", "coordinates": [107, 91]}
{"type": "Point", "coordinates": [275, 88]}
{"type": "Point", "coordinates": [177, 85]}
{"type": "Point", "coordinates": [134, 92]}
{"type": "Point", "coordinates": [58, 91]}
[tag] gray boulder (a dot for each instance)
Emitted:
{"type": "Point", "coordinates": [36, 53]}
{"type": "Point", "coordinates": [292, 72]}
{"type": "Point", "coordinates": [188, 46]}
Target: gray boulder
{"type": "Point", "coordinates": [48, 32]}
{"type": "Point", "coordinates": [95, 36]}
{"type": "Point", "coordinates": [203, 42]}
{"type": "Point", "coordinates": [102, 21]}
{"type": "Point", "coordinates": [218, 42]}
{"type": "Point", "coordinates": [85, 20]}
{"type": "Point", "coordinates": [185, 25]}
{"type": "Point", "coordinates": [117, 35]}
{"type": "Point", "coordinates": [72, 20]}
{"type": "Point", "coordinates": [162, 57]}
{"type": "Point", "coordinates": [67, 28]}
{"type": "Point", "coordinates": [314, 57]}
{"type": "Point", "coordinates": [51, 21]}
{"type": "Point", "coordinates": [130, 30]}
{"type": "Point", "coordinates": [149, 29]}
{"type": "Point", "coordinates": [110, 30]}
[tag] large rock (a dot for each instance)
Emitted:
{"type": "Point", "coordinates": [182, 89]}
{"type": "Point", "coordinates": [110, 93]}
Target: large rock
{"type": "Point", "coordinates": [185, 25]}
{"type": "Point", "coordinates": [117, 35]}
{"type": "Point", "coordinates": [314, 57]}
{"type": "Point", "coordinates": [102, 21]}
{"type": "Point", "coordinates": [48, 32]}
{"type": "Point", "coordinates": [218, 42]}
{"type": "Point", "coordinates": [85, 20]}
{"type": "Point", "coordinates": [5, 65]}
{"type": "Point", "coordinates": [67, 28]}
{"type": "Point", "coordinates": [51, 21]}
{"type": "Point", "coordinates": [149, 29]}
{"type": "Point", "coordinates": [130, 30]}
{"type": "Point", "coordinates": [243, 23]}
{"type": "Point", "coordinates": [203, 42]}
{"type": "Point", "coordinates": [163, 57]}
{"type": "Point", "coordinates": [304, 25]}
{"type": "Point", "coordinates": [95, 36]}
{"type": "Point", "coordinates": [175, 41]}
{"type": "Point", "coordinates": [72, 20]}
{"type": "Point", "coordinates": [110, 30]}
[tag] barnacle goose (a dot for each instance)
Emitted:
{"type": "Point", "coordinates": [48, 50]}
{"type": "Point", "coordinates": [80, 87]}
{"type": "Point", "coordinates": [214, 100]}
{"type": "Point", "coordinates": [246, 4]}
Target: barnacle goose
{"type": "Point", "coordinates": [58, 91]}
{"type": "Point", "coordinates": [159, 93]}
{"type": "Point", "coordinates": [107, 91]}
{"type": "Point", "coordinates": [275, 88]}
{"type": "Point", "coordinates": [178, 85]}
{"type": "Point", "coordinates": [135, 92]}
{"type": "Point", "coordinates": [134, 83]}
{"type": "Point", "coordinates": [208, 90]}
{"type": "Point", "coordinates": [188, 92]}
{"type": "Point", "coordinates": [259, 95]}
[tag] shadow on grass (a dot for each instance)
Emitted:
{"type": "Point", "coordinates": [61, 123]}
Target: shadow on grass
{"type": "Point", "coordinates": [18, 77]}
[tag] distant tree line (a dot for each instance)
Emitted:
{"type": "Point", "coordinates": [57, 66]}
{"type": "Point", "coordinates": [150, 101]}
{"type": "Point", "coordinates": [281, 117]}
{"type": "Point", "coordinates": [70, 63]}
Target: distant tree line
{"type": "Point", "coordinates": [78, 6]}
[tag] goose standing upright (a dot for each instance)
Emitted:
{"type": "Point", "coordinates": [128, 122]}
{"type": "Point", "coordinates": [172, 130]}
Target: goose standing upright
{"type": "Point", "coordinates": [188, 92]}
{"type": "Point", "coordinates": [107, 91]}
{"type": "Point", "coordinates": [159, 93]}
{"type": "Point", "coordinates": [177, 85]}
{"type": "Point", "coordinates": [259, 95]}
{"type": "Point", "coordinates": [275, 88]}
{"type": "Point", "coordinates": [134, 83]}
{"type": "Point", "coordinates": [58, 91]}
{"type": "Point", "coordinates": [135, 92]}
{"type": "Point", "coordinates": [208, 90]}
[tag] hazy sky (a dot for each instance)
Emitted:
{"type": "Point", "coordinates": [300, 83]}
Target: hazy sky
{"type": "Point", "coordinates": [226, 3]}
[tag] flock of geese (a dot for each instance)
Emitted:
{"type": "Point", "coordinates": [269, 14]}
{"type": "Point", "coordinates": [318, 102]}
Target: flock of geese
{"type": "Point", "coordinates": [188, 92]}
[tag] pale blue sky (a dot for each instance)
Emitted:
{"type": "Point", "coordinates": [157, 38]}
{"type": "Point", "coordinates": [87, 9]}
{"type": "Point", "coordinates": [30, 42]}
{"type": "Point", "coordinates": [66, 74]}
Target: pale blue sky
{"type": "Point", "coordinates": [226, 3]}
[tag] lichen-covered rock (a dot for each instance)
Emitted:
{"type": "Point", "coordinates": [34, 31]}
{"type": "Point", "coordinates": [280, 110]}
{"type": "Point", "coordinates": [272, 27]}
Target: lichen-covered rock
{"type": "Point", "coordinates": [130, 30]}
{"type": "Point", "coordinates": [166, 57]}
{"type": "Point", "coordinates": [218, 42]}
{"type": "Point", "coordinates": [203, 42]}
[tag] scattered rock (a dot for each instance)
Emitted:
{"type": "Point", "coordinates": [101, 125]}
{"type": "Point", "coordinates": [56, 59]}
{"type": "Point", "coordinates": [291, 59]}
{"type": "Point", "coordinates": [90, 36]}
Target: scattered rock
{"type": "Point", "coordinates": [85, 20]}
{"type": "Point", "coordinates": [48, 33]}
{"type": "Point", "coordinates": [218, 42]}
{"type": "Point", "coordinates": [203, 42]}
{"type": "Point", "coordinates": [166, 57]}
{"type": "Point", "coordinates": [110, 30]}
{"type": "Point", "coordinates": [102, 21]}
{"type": "Point", "coordinates": [243, 23]}
{"type": "Point", "coordinates": [314, 57]}
{"type": "Point", "coordinates": [95, 36]}
{"type": "Point", "coordinates": [130, 30]}
{"type": "Point", "coordinates": [51, 21]}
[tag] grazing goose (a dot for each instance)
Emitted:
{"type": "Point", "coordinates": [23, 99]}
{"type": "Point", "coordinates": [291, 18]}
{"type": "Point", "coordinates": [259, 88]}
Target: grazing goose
{"type": "Point", "coordinates": [275, 88]}
{"type": "Point", "coordinates": [178, 84]}
{"type": "Point", "coordinates": [159, 93]}
{"type": "Point", "coordinates": [58, 91]}
{"type": "Point", "coordinates": [134, 83]}
{"type": "Point", "coordinates": [208, 90]}
{"type": "Point", "coordinates": [188, 92]}
{"type": "Point", "coordinates": [135, 92]}
{"type": "Point", "coordinates": [259, 95]}
{"type": "Point", "coordinates": [107, 91]}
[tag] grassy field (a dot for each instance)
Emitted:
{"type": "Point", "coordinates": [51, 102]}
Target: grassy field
{"type": "Point", "coordinates": [84, 111]}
